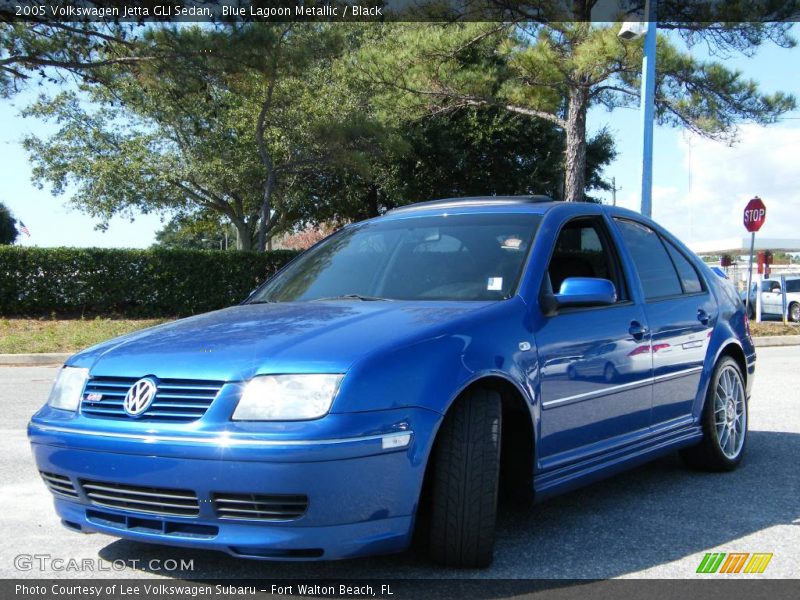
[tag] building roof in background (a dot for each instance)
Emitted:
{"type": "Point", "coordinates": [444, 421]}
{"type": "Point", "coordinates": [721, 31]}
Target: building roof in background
{"type": "Point", "coordinates": [742, 245]}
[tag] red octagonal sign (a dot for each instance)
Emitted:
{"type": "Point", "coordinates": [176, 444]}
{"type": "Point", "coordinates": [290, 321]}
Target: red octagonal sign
{"type": "Point", "coordinates": [755, 213]}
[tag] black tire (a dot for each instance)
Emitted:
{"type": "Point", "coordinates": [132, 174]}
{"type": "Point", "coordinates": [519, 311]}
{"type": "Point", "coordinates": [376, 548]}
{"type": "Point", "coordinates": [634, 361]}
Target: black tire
{"type": "Point", "coordinates": [464, 482]}
{"type": "Point", "coordinates": [794, 312]}
{"type": "Point", "coordinates": [609, 373]}
{"type": "Point", "coordinates": [708, 455]}
{"type": "Point", "coordinates": [571, 372]}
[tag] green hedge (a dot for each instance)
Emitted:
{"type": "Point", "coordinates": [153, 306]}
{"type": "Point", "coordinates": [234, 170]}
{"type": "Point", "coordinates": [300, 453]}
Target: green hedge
{"type": "Point", "coordinates": [132, 283]}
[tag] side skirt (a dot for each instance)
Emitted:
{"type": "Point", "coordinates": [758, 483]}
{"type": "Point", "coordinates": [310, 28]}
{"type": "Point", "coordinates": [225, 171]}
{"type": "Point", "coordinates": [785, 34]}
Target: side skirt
{"type": "Point", "coordinates": [563, 479]}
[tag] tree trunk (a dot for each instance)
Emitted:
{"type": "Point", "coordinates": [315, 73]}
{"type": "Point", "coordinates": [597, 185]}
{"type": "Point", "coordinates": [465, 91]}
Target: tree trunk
{"type": "Point", "coordinates": [266, 205]}
{"type": "Point", "coordinates": [370, 206]}
{"type": "Point", "coordinates": [575, 151]}
{"type": "Point", "coordinates": [243, 238]}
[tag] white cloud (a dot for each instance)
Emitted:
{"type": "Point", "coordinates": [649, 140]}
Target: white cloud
{"type": "Point", "coordinates": [765, 161]}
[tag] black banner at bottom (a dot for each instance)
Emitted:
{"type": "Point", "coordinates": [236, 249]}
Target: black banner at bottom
{"type": "Point", "coordinates": [401, 589]}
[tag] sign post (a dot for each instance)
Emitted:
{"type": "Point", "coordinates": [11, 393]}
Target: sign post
{"type": "Point", "coordinates": [755, 213]}
{"type": "Point", "coordinates": [783, 298]}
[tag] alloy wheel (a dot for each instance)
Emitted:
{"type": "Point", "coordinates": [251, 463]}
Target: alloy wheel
{"type": "Point", "coordinates": [730, 414]}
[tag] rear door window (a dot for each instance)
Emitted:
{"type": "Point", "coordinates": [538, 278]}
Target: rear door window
{"type": "Point", "coordinates": [654, 265]}
{"type": "Point", "coordinates": [690, 280]}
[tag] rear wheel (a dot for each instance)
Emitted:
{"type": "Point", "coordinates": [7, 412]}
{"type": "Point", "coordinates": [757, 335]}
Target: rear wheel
{"type": "Point", "coordinates": [464, 482]}
{"type": "Point", "coordinates": [724, 421]}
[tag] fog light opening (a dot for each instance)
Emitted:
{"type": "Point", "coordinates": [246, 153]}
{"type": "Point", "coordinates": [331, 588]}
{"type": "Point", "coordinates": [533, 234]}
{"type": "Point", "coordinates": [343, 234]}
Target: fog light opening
{"type": "Point", "coordinates": [72, 526]}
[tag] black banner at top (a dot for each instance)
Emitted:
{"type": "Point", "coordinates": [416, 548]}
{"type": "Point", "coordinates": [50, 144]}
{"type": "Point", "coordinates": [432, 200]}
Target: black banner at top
{"type": "Point", "coordinates": [221, 11]}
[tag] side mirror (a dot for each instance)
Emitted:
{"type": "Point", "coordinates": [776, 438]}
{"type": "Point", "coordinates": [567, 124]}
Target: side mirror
{"type": "Point", "coordinates": [586, 291]}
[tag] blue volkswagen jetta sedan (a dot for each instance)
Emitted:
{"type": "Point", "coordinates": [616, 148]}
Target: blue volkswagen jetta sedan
{"type": "Point", "coordinates": [404, 374]}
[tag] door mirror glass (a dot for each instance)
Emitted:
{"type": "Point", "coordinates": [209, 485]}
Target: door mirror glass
{"type": "Point", "coordinates": [586, 291]}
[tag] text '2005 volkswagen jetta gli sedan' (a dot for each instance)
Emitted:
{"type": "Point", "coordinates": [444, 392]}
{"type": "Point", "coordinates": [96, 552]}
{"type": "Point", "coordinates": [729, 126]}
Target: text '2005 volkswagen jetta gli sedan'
{"type": "Point", "coordinates": [402, 374]}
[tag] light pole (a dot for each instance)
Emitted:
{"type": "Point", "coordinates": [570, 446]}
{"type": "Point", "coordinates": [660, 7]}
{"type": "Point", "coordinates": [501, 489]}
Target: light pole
{"type": "Point", "coordinates": [647, 97]}
{"type": "Point", "coordinates": [648, 106]}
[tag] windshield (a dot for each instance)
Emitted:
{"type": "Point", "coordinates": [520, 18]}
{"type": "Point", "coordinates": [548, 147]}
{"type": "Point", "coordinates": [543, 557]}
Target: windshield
{"type": "Point", "coordinates": [448, 257]}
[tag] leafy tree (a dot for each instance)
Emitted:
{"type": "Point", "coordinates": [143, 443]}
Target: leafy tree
{"type": "Point", "coordinates": [306, 237]}
{"type": "Point", "coordinates": [8, 226]}
{"type": "Point", "coordinates": [468, 152]}
{"type": "Point", "coordinates": [307, 99]}
{"type": "Point", "coordinates": [488, 151]}
{"type": "Point", "coordinates": [532, 64]}
{"type": "Point", "coordinates": [192, 135]}
{"type": "Point", "coordinates": [47, 50]}
{"type": "Point", "coordinates": [202, 231]}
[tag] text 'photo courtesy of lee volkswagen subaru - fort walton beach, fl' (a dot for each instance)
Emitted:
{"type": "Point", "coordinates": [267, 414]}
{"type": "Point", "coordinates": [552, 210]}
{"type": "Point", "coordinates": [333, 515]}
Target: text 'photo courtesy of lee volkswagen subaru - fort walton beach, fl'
{"type": "Point", "coordinates": [404, 375]}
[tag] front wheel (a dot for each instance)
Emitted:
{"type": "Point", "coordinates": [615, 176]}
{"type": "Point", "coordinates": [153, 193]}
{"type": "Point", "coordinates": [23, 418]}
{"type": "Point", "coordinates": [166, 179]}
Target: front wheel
{"type": "Point", "coordinates": [794, 312]}
{"type": "Point", "coordinates": [724, 421]}
{"type": "Point", "coordinates": [464, 481]}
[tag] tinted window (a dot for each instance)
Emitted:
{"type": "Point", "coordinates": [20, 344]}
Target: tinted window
{"type": "Point", "coordinates": [793, 285]}
{"type": "Point", "coordinates": [454, 257]}
{"type": "Point", "coordinates": [690, 280]}
{"type": "Point", "coordinates": [654, 265]}
{"type": "Point", "coordinates": [582, 250]}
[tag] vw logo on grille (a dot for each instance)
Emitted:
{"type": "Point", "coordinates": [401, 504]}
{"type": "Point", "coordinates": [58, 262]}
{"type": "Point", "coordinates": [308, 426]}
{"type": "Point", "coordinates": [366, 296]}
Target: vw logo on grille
{"type": "Point", "coordinates": [139, 397]}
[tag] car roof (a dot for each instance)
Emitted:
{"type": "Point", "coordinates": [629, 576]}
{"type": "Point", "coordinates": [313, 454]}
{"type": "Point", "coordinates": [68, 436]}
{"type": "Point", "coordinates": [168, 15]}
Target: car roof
{"type": "Point", "coordinates": [532, 204]}
{"type": "Point", "coordinates": [472, 201]}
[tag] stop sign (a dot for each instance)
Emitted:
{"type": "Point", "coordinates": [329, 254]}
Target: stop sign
{"type": "Point", "coordinates": [755, 213]}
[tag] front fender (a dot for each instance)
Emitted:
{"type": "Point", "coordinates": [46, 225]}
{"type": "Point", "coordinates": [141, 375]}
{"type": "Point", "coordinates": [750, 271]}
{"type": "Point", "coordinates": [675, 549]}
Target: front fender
{"type": "Point", "coordinates": [432, 372]}
{"type": "Point", "coordinates": [429, 372]}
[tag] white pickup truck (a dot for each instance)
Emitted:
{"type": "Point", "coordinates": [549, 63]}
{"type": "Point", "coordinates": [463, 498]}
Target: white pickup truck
{"type": "Point", "coordinates": [771, 300]}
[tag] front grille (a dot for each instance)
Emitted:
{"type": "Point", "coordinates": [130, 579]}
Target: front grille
{"type": "Point", "coordinates": [176, 400]}
{"type": "Point", "coordinates": [59, 484]}
{"type": "Point", "coordinates": [259, 507]}
{"type": "Point", "coordinates": [157, 501]}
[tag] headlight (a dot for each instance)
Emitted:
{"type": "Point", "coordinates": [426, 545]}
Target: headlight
{"type": "Point", "coordinates": [67, 389]}
{"type": "Point", "coordinates": [287, 397]}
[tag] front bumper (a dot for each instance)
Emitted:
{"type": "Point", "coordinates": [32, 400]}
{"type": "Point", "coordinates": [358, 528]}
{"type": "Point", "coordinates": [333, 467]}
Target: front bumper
{"type": "Point", "coordinates": [362, 491]}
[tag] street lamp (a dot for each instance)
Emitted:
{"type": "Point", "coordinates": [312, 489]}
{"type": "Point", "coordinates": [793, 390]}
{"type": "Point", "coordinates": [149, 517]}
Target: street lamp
{"type": "Point", "coordinates": [632, 31]}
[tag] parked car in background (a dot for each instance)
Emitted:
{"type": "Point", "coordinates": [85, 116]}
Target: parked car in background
{"type": "Point", "coordinates": [772, 298]}
{"type": "Point", "coordinates": [402, 376]}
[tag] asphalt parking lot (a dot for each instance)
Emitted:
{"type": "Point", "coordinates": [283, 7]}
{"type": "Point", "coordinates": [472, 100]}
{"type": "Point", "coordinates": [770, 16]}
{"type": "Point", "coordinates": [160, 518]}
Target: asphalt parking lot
{"type": "Point", "coordinates": [657, 521]}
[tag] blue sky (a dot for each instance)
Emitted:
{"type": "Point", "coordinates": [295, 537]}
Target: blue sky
{"type": "Point", "coordinates": [700, 186]}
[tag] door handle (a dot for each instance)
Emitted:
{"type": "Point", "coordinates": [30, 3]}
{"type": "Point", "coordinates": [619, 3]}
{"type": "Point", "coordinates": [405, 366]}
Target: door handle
{"type": "Point", "coordinates": [637, 330]}
{"type": "Point", "coordinates": [702, 316]}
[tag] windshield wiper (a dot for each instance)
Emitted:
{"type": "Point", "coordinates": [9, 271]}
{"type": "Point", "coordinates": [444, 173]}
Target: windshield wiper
{"type": "Point", "coordinates": [352, 297]}
{"type": "Point", "coordinates": [262, 302]}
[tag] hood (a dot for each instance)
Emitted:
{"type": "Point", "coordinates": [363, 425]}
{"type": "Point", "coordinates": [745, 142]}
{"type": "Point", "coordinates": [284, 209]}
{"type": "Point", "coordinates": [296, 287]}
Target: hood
{"type": "Point", "coordinates": [239, 342]}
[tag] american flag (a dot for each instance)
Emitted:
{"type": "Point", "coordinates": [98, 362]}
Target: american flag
{"type": "Point", "coordinates": [24, 229]}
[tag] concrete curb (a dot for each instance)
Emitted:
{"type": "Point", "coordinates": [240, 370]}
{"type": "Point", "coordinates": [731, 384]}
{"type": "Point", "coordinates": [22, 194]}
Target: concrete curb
{"type": "Point", "coordinates": [58, 358]}
{"type": "Point", "coordinates": [44, 359]}
{"type": "Point", "coordinates": [766, 341]}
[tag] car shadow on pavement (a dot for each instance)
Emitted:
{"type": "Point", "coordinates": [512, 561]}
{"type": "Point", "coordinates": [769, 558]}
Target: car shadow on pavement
{"type": "Point", "coordinates": [645, 518]}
